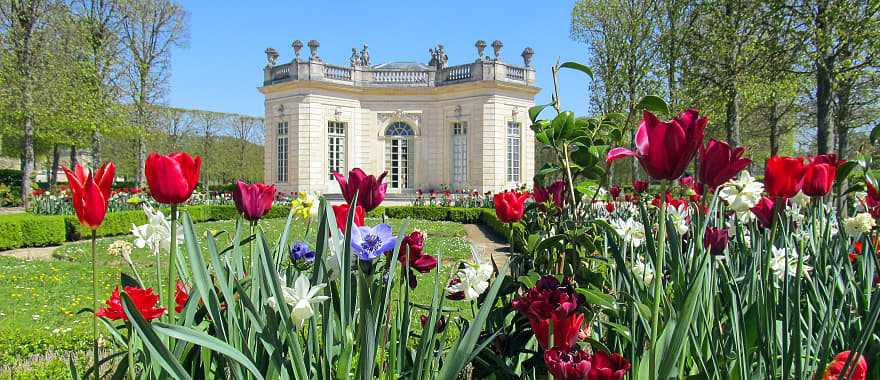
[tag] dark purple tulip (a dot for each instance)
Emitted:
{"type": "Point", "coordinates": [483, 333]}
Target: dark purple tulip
{"type": "Point", "coordinates": [369, 188]}
{"type": "Point", "coordinates": [715, 239]}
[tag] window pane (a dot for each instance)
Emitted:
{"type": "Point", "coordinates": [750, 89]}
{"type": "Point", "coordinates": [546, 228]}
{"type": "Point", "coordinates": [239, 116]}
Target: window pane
{"type": "Point", "coordinates": [513, 151]}
{"type": "Point", "coordinates": [335, 147]}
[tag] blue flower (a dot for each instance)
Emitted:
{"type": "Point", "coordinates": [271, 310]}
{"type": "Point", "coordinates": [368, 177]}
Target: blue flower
{"type": "Point", "coordinates": [369, 243]}
{"type": "Point", "coordinates": [301, 251]}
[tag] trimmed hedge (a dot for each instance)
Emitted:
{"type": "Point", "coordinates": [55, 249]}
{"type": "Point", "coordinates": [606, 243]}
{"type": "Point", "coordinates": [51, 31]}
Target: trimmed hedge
{"type": "Point", "coordinates": [25, 230]}
{"type": "Point", "coordinates": [434, 213]}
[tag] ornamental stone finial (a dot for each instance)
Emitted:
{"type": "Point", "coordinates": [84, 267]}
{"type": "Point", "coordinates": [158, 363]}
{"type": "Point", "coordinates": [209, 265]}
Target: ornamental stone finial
{"type": "Point", "coordinates": [527, 56]}
{"type": "Point", "coordinates": [481, 47]}
{"type": "Point", "coordinates": [496, 46]}
{"type": "Point", "coordinates": [271, 56]}
{"type": "Point", "coordinates": [297, 46]}
{"type": "Point", "coordinates": [313, 50]}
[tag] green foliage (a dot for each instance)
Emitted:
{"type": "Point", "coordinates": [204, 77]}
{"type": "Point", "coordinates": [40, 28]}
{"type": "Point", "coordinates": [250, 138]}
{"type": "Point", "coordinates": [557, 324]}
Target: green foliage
{"type": "Point", "coordinates": [115, 223]}
{"type": "Point", "coordinates": [26, 230]}
{"type": "Point", "coordinates": [451, 214]}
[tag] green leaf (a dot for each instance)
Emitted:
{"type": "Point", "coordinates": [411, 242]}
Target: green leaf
{"type": "Point", "coordinates": [683, 319]}
{"type": "Point", "coordinates": [875, 134]}
{"type": "Point", "coordinates": [563, 125]}
{"type": "Point", "coordinates": [596, 297]}
{"type": "Point", "coordinates": [536, 110]}
{"type": "Point", "coordinates": [158, 351]}
{"type": "Point", "coordinates": [577, 66]}
{"type": "Point", "coordinates": [201, 339]}
{"type": "Point", "coordinates": [654, 104]}
{"type": "Point", "coordinates": [844, 170]}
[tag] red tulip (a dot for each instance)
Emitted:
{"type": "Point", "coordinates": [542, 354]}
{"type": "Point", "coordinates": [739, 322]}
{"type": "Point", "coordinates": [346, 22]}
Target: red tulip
{"type": "Point", "coordinates": [411, 249]}
{"type": "Point", "coordinates": [715, 239]}
{"type": "Point", "coordinates": [872, 200]}
{"type": "Point", "coordinates": [341, 212]}
{"type": "Point", "coordinates": [819, 175]}
{"type": "Point", "coordinates": [91, 193]}
{"type": "Point", "coordinates": [181, 295]}
{"type": "Point", "coordinates": [566, 365]}
{"type": "Point", "coordinates": [719, 163]}
{"type": "Point", "coordinates": [609, 206]}
{"type": "Point", "coordinates": [764, 212]}
{"type": "Point", "coordinates": [510, 205]}
{"type": "Point", "coordinates": [859, 369]}
{"type": "Point", "coordinates": [665, 148]}
{"type": "Point", "coordinates": [640, 186]}
{"type": "Point", "coordinates": [143, 299]}
{"type": "Point", "coordinates": [783, 176]}
{"type": "Point", "coordinates": [172, 178]}
{"type": "Point", "coordinates": [253, 201]}
{"type": "Point", "coordinates": [614, 191]}
{"type": "Point", "coordinates": [606, 366]}
{"type": "Point", "coordinates": [554, 192]}
{"type": "Point", "coordinates": [370, 190]}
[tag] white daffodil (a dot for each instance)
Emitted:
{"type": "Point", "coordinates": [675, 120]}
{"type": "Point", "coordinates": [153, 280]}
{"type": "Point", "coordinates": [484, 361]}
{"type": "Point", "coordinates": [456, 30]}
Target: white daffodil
{"type": "Point", "coordinates": [156, 234]}
{"type": "Point", "coordinates": [780, 264]}
{"type": "Point", "coordinates": [743, 193]}
{"type": "Point", "coordinates": [473, 280]}
{"type": "Point", "coordinates": [630, 230]}
{"type": "Point", "coordinates": [336, 245]}
{"type": "Point", "coordinates": [678, 216]}
{"type": "Point", "coordinates": [301, 298]}
{"type": "Point", "coordinates": [860, 224]}
{"type": "Point", "coordinates": [801, 199]}
{"type": "Point", "coordinates": [643, 271]}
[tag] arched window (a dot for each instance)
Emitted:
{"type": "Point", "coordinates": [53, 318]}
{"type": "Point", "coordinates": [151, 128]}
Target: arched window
{"type": "Point", "coordinates": [399, 129]}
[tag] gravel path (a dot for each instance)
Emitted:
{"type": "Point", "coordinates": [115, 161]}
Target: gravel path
{"type": "Point", "coordinates": [487, 242]}
{"type": "Point", "coordinates": [32, 253]}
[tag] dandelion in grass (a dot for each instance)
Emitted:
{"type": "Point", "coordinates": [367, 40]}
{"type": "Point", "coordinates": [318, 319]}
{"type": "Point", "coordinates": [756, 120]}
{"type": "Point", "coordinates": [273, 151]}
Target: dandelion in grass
{"type": "Point", "coordinates": [743, 193]}
{"type": "Point", "coordinates": [156, 234]}
{"type": "Point", "coordinates": [783, 265]}
{"type": "Point", "coordinates": [302, 298]}
{"type": "Point", "coordinates": [369, 243]}
{"type": "Point", "coordinates": [473, 280]}
{"type": "Point", "coordinates": [860, 224]}
{"type": "Point", "coordinates": [630, 230]}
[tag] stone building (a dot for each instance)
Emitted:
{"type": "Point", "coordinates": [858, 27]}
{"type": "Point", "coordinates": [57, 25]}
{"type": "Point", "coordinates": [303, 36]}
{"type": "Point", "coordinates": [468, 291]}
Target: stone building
{"type": "Point", "coordinates": [431, 126]}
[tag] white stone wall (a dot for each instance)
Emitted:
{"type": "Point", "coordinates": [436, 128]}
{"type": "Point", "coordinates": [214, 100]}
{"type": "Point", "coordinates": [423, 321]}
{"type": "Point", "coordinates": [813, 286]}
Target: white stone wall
{"type": "Point", "coordinates": [431, 112]}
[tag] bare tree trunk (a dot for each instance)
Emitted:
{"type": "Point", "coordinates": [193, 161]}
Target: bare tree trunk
{"type": "Point", "coordinates": [824, 72]}
{"type": "Point", "coordinates": [96, 148]}
{"type": "Point", "coordinates": [731, 123]}
{"type": "Point", "coordinates": [28, 156]}
{"type": "Point", "coordinates": [773, 121]}
{"type": "Point", "coordinates": [142, 159]}
{"type": "Point", "coordinates": [842, 118]}
{"type": "Point", "coordinates": [73, 159]}
{"type": "Point", "coordinates": [53, 168]}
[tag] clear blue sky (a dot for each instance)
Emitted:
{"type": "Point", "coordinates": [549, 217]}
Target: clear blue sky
{"type": "Point", "coordinates": [221, 67]}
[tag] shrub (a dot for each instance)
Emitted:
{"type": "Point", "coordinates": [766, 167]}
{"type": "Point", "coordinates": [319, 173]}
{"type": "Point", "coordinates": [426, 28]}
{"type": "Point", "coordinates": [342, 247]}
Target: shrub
{"type": "Point", "coordinates": [502, 229]}
{"type": "Point", "coordinates": [10, 233]}
{"type": "Point", "coordinates": [115, 223]}
{"type": "Point", "coordinates": [416, 212]}
{"type": "Point", "coordinates": [464, 214]}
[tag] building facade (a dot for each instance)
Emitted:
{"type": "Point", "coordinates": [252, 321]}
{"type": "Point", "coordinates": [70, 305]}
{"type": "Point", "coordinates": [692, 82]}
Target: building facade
{"type": "Point", "coordinates": [431, 126]}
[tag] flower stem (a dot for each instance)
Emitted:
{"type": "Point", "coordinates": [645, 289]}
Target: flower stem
{"type": "Point", "coordinates": [95, 302]}
{"type": "Point", "coordinates": [131, 363]}
{"type": "Point", "coordinates": [172, 264]}
{"type": "Point", "coordinates": [658, 279]}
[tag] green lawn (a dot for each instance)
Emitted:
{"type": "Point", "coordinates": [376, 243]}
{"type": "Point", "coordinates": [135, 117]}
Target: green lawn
{"type": "Point", "coordinates": [40, 299]}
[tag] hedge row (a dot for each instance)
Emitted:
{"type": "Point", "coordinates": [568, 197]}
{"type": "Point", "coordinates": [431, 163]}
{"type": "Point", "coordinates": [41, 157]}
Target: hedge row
{"type": "Point", "coordinates": [435, 213]}
{"type": "Point", "coordinates": [29, 230]}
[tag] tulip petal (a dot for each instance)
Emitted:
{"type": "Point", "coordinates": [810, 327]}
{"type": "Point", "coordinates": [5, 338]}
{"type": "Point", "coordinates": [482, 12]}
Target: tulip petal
{"type": "Point", "coordinates": [616, 153]}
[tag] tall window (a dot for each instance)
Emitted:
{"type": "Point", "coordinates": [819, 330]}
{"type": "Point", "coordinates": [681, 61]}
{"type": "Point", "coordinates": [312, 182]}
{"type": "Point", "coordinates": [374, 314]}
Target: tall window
{"type": "Point", "coordinates": [398, 157]}
{"type": "Point", "coordinates": [459, 154]}
{"type": "Point", "coordinates": [513, 152]}
{"type": "Point", "coordinates": [335, 147]}
{"type": "Point", "coordinates": [281, 175]}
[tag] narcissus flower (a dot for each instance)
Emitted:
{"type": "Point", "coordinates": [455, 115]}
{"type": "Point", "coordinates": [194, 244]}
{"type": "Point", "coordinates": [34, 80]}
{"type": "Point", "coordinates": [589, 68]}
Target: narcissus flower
{"type": "Point", "coordinates": [783, 175]}
{"type": "Point", "coordinates": [173, 177]}
{"type": "Point", "coordinates": [862, 223]}
{"type": "Point", "coordinates": [743, 193]}
{"type": "Point", "coordinates": [144, 300]}
{"type": "Point", "coordinates": [302, 298]}
{"type": "Point", "coordinates": [156, 234]}
{"type": "Point", "coordinates": [664, 149]}
{"type": "Point", "coordinates": [819, 175]}
{"type": "Point", "coordinates": [566, 365]}
{"type": "Point", "coordinates": [470, 281]}
{"type": "Point", "coordinates": [510, 205]}
{"type": "Point", "coordinates": [91, 193]}
{"type": "Point", "coordinates": [368, 243]}
{"type": "Point", "coordinates": [370, 189]}
{"type": "Point", "coordinates": [719, 163]}
{"type": "Point", "coordinates": [835, 368]}
{"type": "Point", "coordinates": [341, 212]}
{"type": "Point", "coordinates": [253, 200]}
{"type": "Point", "coordinates": [785, 263]}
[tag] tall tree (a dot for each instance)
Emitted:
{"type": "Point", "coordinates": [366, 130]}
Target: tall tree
{"type": "Point", "coordinates": [23, 23]}
{"type": "Point", "coordinates": [150, 30]}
